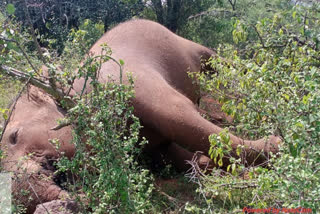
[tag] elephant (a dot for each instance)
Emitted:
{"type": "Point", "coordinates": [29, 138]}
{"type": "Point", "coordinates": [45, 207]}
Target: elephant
{"type": "Point", "coordinates": [166, 102]}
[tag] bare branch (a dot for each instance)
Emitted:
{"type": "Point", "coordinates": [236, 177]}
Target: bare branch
{"type": "Point", "coordinates": [260, 38]}
{"type": "Point", "coordinates": [33, 34]}
{"type": "Point", "coordinates": [61, 125]}
{"type": "Point", "coordinates": [58, 94]}
{"type": "Point", "coordinates": [34, 191]}
{"type": "Point", "coordinates": [233, 4]}
{"type": "Point", "coordinates": [212, 13]}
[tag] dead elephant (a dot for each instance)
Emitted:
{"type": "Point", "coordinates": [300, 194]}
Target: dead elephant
{"type": "Point", "coordinates": [166, 103]}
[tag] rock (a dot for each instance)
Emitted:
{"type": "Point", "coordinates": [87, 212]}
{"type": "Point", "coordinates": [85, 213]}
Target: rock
{"type": "Point", "coordinates": [57, 207]}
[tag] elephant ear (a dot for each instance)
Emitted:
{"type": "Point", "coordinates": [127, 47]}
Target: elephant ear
{"type": "Point", "coordinates": [49, 86]}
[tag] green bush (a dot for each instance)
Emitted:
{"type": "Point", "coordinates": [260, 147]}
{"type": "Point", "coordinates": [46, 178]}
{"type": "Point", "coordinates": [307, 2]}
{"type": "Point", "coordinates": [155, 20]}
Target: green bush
{"type": "Point", "coordinates": [272, 86]}
{"type": "Point", "coordinates": [214, 26]}
{"type": "Point", "coordinates": [107, 174]}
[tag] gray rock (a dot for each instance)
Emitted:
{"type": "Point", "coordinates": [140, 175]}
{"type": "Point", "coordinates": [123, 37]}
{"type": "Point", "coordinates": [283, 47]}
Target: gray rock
{"type": "Point", "coordinates": [57, 207]}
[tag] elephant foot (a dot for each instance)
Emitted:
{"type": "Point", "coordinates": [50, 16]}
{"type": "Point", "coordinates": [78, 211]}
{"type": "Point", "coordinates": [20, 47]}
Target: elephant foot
{"type": "Point", "coordinates": [258, 152]}
{"type": "Point", "coordinates": [183, 159]}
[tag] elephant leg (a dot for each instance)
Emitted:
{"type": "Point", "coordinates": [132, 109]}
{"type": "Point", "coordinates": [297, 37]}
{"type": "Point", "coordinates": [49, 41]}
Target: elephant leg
{"type": "Point", "coordinates": [176, 118]}
{"type": "Point", "coordinates": [211, 109]}
{"type": "Point", "coordinates": [181, 158]}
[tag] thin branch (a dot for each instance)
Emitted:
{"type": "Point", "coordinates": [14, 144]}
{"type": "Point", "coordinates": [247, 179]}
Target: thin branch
{"type": "Point", "coordinates": [58, 94]}
{"type": "Point", "coordinates": [33, 33]}
{"type": "Point", "coordinates": [212, 13]}
{"type": "Point", "coordinates": [260, 38]}
{"type": "Point", "coordinates": [37, 196]}
{"type": "Point", "coordinates": [304, 25]}
{"type": "Point", "coordinates": [238, 185]}
{"type": "Point", "coordinates": [233, 4]}
{"type": "Point", "coordinates": [61, 125]}
{"type": "Point", "coordinates": [170, 198]}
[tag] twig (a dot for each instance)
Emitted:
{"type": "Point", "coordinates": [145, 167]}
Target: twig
{"type": "Point", "coordinates": [304, 25]}
{"type": "Point", "coordinates": [245, 185]}
{"type": "Point", "coordinates": [37, 196]}
{"type": "Point", "coordinates": [60, 126]}
{"type": "Point", "coordinates": [260, 37]}
{"type": "Point", "coordinates": [172, 199]}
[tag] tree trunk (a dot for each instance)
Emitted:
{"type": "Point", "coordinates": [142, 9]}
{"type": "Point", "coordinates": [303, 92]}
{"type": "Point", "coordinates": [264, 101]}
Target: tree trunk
{"type": "Point", "coordinates": [157, 4]}
{"type": "Point", "coordinates": [173, 14]}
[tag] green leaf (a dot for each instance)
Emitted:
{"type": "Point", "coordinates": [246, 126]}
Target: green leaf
{"type": "Point", "coordinates": [298, 124]}
{"type": "Point", "coordinates": [280, 32]}
{"type": "Point", "coordinates": [12, 46]}
{"type": "Point", "coordinates": [228, 167]}
{"type": "Point", "coordinates": [11, 9]}
{"type": "Point", "coordinates": [312, 118]}
{"type": "Point", "coordinates": [238, 150]}
{"type": "Point", "coordinates": [286, 96]}
{"type": "Point", "coordinates": [251, 174]}
{"type": "Point", "coordinates": [233, 167]}
{"type": "Point", "coordinates": [294, 14]}
{"type": "Point", "coordinates": [305, 99]}
{"type": "Point", "coordinates": [4, 113]}
{"type": "Point", "coordinates": [121, 62]}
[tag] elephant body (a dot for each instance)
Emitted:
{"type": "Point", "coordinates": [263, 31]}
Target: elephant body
{"type": "Point", "coordinates": [165, 102]}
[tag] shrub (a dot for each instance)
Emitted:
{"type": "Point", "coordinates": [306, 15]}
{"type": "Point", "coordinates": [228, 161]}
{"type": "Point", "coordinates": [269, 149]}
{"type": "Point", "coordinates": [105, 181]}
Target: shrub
{"type": "Point", "coordinates": [272, 87]}
{"type": "Point", "coordinates": [106, 135]}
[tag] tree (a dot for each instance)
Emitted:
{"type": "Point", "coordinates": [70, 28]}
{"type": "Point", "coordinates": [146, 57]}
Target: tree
{"type": "Point", "coordinates": [174, 13]}
{"type": "Point", "coordinates": [53, 19]}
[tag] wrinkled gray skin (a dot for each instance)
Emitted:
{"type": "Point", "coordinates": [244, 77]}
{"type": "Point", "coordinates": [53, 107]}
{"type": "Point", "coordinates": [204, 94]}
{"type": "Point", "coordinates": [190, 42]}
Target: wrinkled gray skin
{"type": "Point", "coordinates": [165, 103]}
{"type": "Point", "coordinates": [27, 148]}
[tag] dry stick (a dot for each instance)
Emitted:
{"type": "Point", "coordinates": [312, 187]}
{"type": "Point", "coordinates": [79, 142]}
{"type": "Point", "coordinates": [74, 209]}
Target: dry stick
{"type": "Point", "coordinates": [56, 93]}
{"type": "Point", "coordinates": [37, 196]}
{"type": "Point", "coordinates": [33, 34]}
{"type": "Point", "coordinates": [61, 125]}
{"type": "Point", "coordinates": [170, 198]}
{"type": "Point", "coordinates": [196, 174]}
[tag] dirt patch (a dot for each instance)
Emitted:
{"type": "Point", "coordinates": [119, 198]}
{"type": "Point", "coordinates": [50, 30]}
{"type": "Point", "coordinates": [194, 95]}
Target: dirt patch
{"type": "Point", "coordinates": [175, 193]}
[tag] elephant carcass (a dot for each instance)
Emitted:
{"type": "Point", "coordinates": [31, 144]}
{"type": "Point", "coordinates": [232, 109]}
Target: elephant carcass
{"type": "Point", "coordinates": [165, 98]}
{"type": "Point", "coordinates": [165, 101]}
